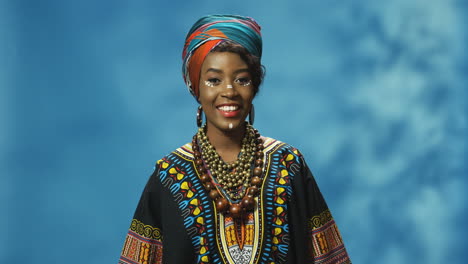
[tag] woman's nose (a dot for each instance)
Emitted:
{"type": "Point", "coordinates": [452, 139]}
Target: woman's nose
{"type": "Point", "coordinates": [230, 90]}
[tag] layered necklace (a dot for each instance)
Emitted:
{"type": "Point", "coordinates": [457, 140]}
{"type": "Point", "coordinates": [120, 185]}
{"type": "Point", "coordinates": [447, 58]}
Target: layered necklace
{"type": "Point", "coordinates": [233, 185]}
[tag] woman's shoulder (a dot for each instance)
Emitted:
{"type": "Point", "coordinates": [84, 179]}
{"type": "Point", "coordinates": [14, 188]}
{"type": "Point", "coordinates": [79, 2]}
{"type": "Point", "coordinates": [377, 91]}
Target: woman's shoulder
{"type": "Point", "coordinates": [272, 145]}
{"type": "Point", "coordinates": [182, 153]}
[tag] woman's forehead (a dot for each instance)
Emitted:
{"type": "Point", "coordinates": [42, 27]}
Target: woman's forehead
{"type": "Point", "coordinates": [224, 61]}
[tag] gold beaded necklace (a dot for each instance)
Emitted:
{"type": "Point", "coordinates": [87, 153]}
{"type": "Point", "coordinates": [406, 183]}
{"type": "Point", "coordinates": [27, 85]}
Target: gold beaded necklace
{"type": "Point", "coordinates": [234, 178]}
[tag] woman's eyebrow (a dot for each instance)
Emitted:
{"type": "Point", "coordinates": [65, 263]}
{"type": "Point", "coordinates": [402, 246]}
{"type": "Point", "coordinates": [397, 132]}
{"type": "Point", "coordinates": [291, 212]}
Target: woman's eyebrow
{"type": "Point", "coordinates": [214, 70]}
{"type": "Point", "coordinates": [220, 71]}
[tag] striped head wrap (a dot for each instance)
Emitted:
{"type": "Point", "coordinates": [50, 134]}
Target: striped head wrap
{"type": "Point", "coordinates": [207, 33]}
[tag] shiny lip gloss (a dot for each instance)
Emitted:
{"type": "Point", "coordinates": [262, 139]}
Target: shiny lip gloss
{"type": "Point", "coordinates": [229, 110]}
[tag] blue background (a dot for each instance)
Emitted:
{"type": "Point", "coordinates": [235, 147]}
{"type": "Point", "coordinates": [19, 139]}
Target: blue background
{"type": "Point", "coordinates": [372, 92]}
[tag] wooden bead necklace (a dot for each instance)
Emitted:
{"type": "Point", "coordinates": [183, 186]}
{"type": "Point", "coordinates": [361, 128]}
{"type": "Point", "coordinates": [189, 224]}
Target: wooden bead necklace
{"type": "Point", "coordinates": [235, 178]}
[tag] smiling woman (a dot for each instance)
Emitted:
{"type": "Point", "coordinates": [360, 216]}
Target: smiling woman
{"type": "Point", "coordinates": [231, 195]}
{"type": "Point", "coordinates": [226, 94]}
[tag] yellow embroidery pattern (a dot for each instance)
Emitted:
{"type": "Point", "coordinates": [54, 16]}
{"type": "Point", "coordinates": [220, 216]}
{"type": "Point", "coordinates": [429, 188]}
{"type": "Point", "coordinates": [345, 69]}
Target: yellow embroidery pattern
{"type": "Point", "coordinates": [146, 230]}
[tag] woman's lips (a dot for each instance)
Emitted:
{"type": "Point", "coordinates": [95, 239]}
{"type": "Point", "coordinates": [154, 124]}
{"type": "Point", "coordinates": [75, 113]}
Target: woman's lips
{"type": "Point", "coordinates": [229, 110]}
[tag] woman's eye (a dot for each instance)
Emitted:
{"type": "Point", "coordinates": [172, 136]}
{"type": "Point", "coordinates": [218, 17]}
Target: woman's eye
{"type": "Point", "coordinates": [244, 81]}
{"type": "Point", "coordinates": [212, 82]}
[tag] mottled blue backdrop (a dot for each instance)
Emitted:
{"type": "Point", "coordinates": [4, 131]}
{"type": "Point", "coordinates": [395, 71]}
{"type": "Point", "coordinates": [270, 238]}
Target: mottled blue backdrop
{"type": "Point", "coordinates": [372, 92]}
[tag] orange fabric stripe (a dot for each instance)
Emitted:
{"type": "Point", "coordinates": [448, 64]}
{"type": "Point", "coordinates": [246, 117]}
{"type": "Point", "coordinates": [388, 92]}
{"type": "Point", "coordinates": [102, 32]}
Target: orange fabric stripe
{"type": "Point", "coordinates": [196, 62]}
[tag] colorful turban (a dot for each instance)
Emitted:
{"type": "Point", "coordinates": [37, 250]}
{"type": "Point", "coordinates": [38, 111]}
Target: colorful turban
{"type": "Point", "coordinates": [207, 33]}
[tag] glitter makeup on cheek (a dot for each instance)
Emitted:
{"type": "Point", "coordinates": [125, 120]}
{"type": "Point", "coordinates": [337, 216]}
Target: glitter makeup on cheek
{"type": "Point", "coordinates": [209, 84]}
{"type": "Point", "coordinates": [247, 83]}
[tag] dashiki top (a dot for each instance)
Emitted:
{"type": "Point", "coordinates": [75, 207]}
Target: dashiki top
{"type": "Point", "coordinates": [176, 222]}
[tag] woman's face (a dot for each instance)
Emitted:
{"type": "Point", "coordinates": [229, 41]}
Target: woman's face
{"type": "Point", "coordinates": [226, 91]}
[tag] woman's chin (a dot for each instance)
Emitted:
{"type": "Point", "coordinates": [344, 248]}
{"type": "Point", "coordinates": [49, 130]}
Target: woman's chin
{"type": "Point", "coordinates": [234, 126]}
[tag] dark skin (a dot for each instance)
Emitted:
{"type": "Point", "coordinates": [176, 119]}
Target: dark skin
{"type": "Point", "coordinates": [226, 94]}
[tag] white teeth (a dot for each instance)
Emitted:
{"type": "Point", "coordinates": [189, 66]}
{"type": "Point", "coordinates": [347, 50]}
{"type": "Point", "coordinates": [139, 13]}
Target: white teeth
{"type": "Point", "coordinates": [228, 108]}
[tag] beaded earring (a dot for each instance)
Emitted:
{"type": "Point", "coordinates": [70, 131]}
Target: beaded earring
{"type": "Point", "coordinates": [199, 116]}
